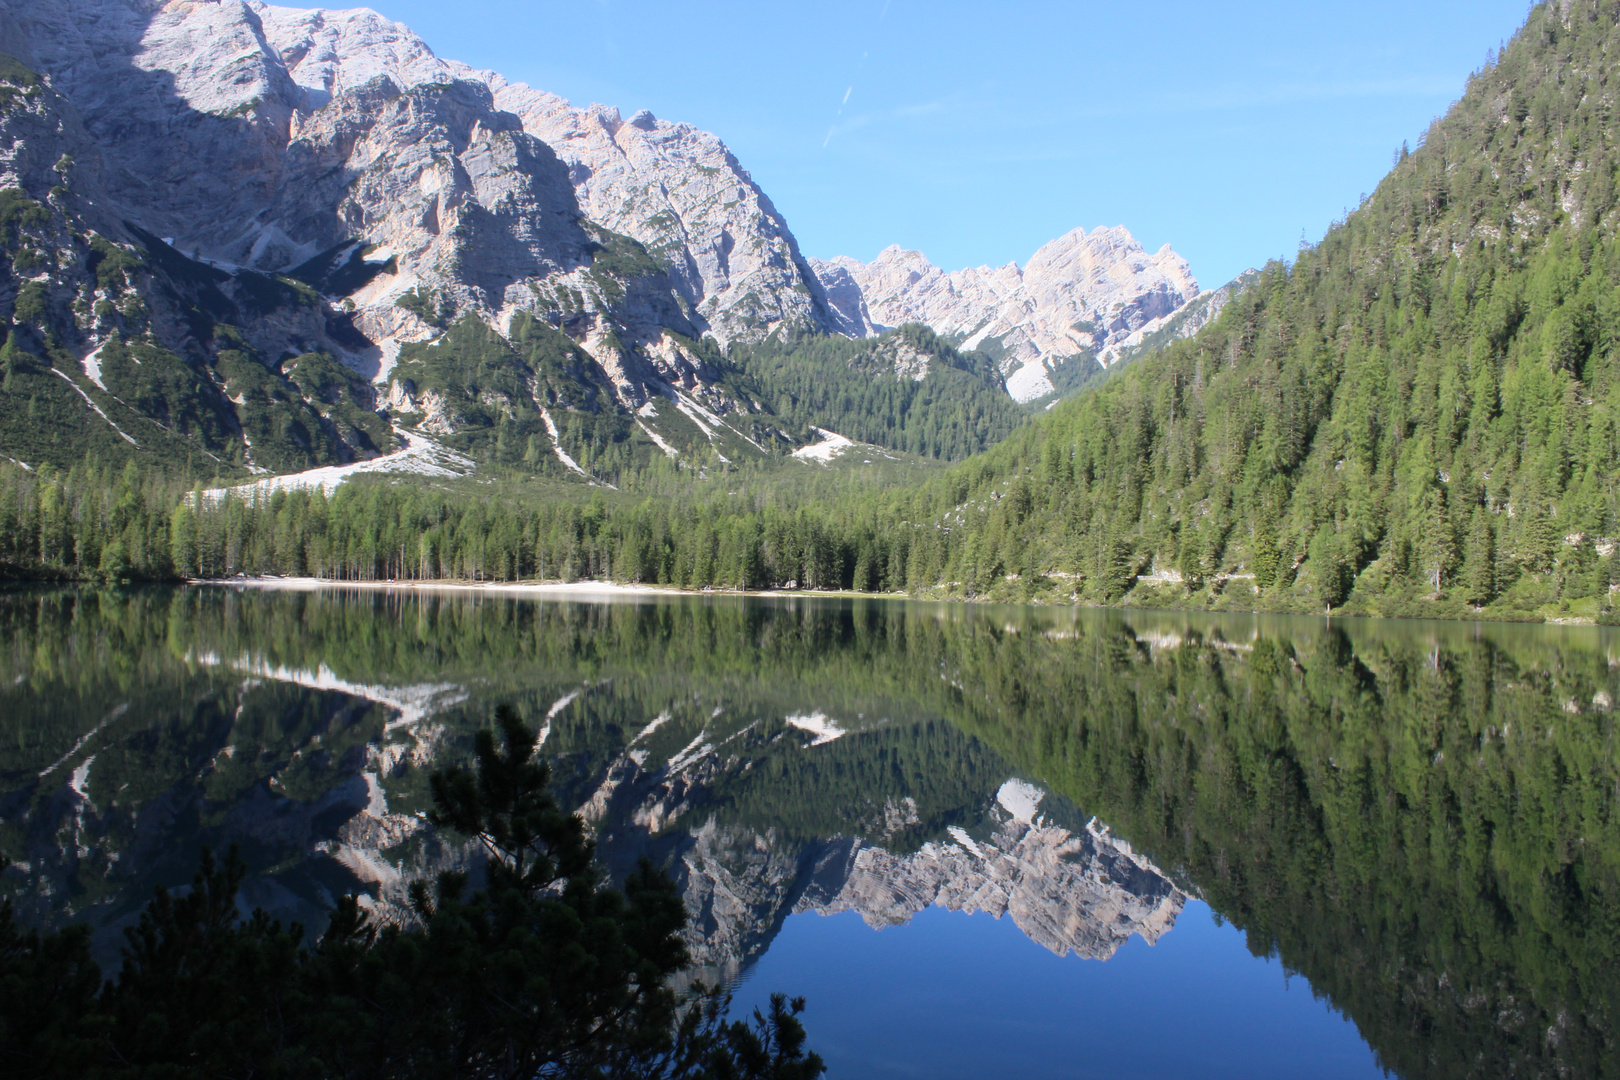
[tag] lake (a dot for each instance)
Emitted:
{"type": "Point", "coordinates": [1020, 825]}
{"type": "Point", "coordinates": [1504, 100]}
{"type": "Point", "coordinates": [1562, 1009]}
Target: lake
{"type": "Point", "coordinates": [981, 841]}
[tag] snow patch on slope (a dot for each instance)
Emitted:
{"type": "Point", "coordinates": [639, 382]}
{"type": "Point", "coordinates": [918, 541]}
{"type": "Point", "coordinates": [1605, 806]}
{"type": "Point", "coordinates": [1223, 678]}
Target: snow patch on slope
{"type": "Point", "coordinates": [551, 714]}
{"type": "Point", "coordinates": [86, 737]}
{"type": "Point", "coordinates": [80, 390]}
{"type": "Point", "coordinates": [556, 444]}
{"type": "Point", "coordinates": [828, 447]}
{"type": "Point", "coordinates": [1020, 799]}
{"type": "Point", "coordinates": [92, 366]}
{"type": "Point", "coordinates": [655, 437]}
{"type": "Point", "coordinates": [420, 456]}
{"type": "Point", "coordinates": [960, 835]}
{"type": "Point", "coordinates": [412, 703]}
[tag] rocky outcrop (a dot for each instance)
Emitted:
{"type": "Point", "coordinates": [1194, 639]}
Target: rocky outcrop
{"type": "Point", "coordinates": [1185, 321]}
{"type": "Point", "coordinates": [1076, 295]}
{"type": "Point", "coordinates": [679, 191]}
{"type": "Point", "coordinates": [1083, 894]}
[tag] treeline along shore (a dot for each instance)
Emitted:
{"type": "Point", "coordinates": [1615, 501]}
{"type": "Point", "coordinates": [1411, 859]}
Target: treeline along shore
{"type": "Point", "coordinates": [1420, 415]}
{"type": "Point", "coordinates": [102, 527]}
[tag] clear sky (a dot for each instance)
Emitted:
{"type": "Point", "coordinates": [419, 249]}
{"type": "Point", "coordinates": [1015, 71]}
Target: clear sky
{"type": "Point", "coordinates": [976, 131]}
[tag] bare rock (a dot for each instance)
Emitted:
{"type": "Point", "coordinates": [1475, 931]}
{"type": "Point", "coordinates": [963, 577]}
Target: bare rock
{"type": "Point", "coordinates": [1076, 295]}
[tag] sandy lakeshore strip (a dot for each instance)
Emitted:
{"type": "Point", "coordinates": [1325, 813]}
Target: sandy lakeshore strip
{"type": "Point", "coordinates": [594, 590]}
{"type": "Point", "coordinates": [578, 590]}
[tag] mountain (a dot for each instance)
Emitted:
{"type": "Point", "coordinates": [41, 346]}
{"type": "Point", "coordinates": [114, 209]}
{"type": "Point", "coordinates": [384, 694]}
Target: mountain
{"type": "Point", "coordinates": [1186, 321]}
{"type": "Point", "coordinates": [247, 239]}
{"type": "Point", "coordinates": [1418, 416]}
{"type": "Point", "coordinates": [1081, 295]}
{"type": "Point", "coordinates": [735, 268]}
{"type": "Point", "coordinates": [287, 219]}
{"type": "Point", "coordinates": [1080, 894]}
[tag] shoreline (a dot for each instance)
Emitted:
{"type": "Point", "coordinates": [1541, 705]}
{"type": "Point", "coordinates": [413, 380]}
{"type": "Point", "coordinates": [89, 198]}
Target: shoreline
{"type": "Point", "coordinates": [591, 589]}
{"type": "Point", "coordinates": [603, 591]}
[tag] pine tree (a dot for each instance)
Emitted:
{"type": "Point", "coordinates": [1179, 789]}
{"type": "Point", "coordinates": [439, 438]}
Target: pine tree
{"type": "Point", "coordinates": [1479, 568]}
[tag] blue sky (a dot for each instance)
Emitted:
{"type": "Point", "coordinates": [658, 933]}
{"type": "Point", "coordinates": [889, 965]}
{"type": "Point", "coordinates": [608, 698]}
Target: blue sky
{"type": "Point", "coordinates": [975, 132]}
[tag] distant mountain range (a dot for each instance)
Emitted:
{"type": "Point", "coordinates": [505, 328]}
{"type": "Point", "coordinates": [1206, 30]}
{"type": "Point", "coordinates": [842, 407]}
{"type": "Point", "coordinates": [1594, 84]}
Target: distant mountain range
{"type": "Point", "coordinates": [234, 232]}
{"type": "Point", "coordinates": [1078, 296]}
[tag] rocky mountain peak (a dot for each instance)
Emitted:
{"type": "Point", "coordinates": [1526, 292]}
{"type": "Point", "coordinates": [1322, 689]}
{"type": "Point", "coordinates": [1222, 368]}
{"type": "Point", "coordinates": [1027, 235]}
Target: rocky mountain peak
{"type": "Point", "coordinates": [335, 187]}
{"type": "Point", "coordinates": [291, 182]}
{"type": "Point", "coordinates": [247, 86]}
{"type": "Point", "coordinates": [732, 261]}
{"type": "Point", "coordinates": [1076, 296]}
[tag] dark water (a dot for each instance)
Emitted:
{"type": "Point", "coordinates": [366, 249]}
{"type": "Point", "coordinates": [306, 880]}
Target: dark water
{"type": "Point", "coordinates": [981, 841]}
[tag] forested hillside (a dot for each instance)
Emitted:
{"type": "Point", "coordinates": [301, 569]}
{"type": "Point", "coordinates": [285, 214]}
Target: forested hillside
{"type": "Point", "coordinates": [1424, 405]}
{"type": "Point", "coordinates": [906, 389]}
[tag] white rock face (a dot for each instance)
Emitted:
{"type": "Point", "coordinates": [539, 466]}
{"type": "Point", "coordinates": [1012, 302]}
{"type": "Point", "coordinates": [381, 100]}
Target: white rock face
{"type": "Point", "coordinates": [674, 188]}
{"type": "Point", "coordinates": [1084, 893]}
{"type": "Point", "coordinates": [259, 136]}
{"type": "Point", "coordinates": [680, 192]}
{"type": "Point", "coordinates": [1186, 321]}
{"type": "Point", "coordinates": [1079, 293]}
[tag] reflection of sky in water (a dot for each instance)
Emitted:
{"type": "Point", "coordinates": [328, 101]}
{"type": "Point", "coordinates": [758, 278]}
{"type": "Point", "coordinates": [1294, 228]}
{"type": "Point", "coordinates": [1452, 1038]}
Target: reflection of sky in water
{"type": "Point", "coordinates": [951, 995]}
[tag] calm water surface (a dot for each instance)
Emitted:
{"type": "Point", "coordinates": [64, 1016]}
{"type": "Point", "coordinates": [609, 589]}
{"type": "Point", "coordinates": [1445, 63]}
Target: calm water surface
{"type": "Point", "coordinates": [981, 841]}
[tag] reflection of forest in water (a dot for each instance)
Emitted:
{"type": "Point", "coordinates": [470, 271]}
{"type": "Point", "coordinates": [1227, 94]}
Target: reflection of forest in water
{"type": "Point", "coordinates": [1419, 818]}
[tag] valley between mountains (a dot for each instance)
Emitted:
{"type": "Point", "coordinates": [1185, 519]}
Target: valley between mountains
{"type": "Point", "coordinates": [286, 292]}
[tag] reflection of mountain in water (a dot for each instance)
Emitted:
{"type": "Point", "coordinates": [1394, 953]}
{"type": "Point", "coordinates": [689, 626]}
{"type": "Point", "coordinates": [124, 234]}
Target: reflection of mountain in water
{"type": "Point", "coordinates": [760, 807]}
{"type": "Point", "coordinates": [1420, 819]}
{"type": "Point", "coordinates": [1071, 890]}
{"type": "Point", "coordinates": [1083, 894]}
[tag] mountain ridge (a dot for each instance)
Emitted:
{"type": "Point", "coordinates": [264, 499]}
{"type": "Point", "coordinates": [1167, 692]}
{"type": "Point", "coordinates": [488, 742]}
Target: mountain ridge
{"type": "Point", "coordinates": [1080, 295]}
{"type": "Point", "coordinates": [360, 229]}
{"type": "Point", "coordinates": [361, 196]}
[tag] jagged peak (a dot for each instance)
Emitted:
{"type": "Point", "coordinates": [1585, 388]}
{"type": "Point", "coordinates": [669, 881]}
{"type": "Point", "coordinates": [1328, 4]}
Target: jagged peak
{"type": "Point", "coordinates": [1082, 292]}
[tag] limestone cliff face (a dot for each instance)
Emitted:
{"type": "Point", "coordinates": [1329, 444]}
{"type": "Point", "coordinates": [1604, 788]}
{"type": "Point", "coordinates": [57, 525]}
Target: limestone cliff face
{"type": "Point", "coordinates": [288, 183]}
{"type": "Point", "coordinates": [1077, 294]}
{"type": "Point", "coordinates": [335, 151]}
{"type": "Point", "coordinates": [733, 264]}
{"type": "Point", "coordinates": [296, 111]}
{"type": "Point", "coordinates": [189, 108]}
{"type": "Point", "coordinates": [1186, 321]}
{"type": "Point", "coordinates": [679, 191]}
{"type": "Point", "coordinates": [1084, 894]}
